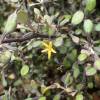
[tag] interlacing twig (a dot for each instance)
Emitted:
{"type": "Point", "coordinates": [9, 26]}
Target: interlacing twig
{"type": "Point", "coordinates": [22, 39]}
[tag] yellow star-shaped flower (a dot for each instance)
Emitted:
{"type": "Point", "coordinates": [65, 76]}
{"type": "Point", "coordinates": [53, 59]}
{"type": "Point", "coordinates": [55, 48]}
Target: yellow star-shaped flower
{"type": "Point", "coordinates": [48, 48]}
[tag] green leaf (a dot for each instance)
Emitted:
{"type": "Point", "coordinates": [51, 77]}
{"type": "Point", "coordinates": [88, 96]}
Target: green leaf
{"type": "Point", "coordinates": [5, 57]}
{"type": "Point", "coordinates": [24, 70]}
{"type": "Point", "coordinates": [48, 29]}
{"type": "Point", "coordinates": [33, 44]}
{"type": "Point", "coordinates": [79, 87]}
{"type": "Point", "coordinates": [11, 23]}
{"type": "Point", "coordinates": [97, 64]}
{"type": "Point", "coordinates": [56, 97]}
{"type": "Point", "coordinates": [29, 99]}
{"type": "Point", "coordinates": [36, 43]}
{"type": "Point", "coordinates": [22, 16]}
{"type": "Point", "coordinates": [90, 5]}
{"type": "Point", "coordinates": [79, 96]}
{"type": "Point", "coordinates": [97, 27]}
{"type": "Point", "coordinates": [5, 96]}
{"type": "Point", "coordinates": [66, 63]}
{"type": "Point", "coordinates": [90, 85]}
{"type": "Point", "coordinates": [65, 20]}
{"type": "Point", "coordinates": [58, 41]}
{"type": "Point", "coordinates": [82, 57]}
{"type": "Point", "coordinates": [90, 71]}
{"type": "Point", "coordinates": [51, 31]}
{"type": "Point", "coordinates": [18, 82]}
{"type": "Point", "coordinates": [42, 98]}
{"type": "Point", "coordinates": [88, 26]}
{"type": "Point", "coordinates": [78, 31]}
{"type": "Point", "coordinates": [77, 17]}
{"type": "Point", "coordinates": [67, 79]}
{"type": "Point", "coordinates": [72, 55]}
{"type": "Point", "coordinates": [76, 71]}
{"type": "Point", "coordinates": [4, 81]}
{"type": "Point", "coordinates": [48, 19]}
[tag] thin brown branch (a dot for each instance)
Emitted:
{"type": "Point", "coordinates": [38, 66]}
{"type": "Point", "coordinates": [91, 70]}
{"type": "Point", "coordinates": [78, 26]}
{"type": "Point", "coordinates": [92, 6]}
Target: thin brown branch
{"type": "Point", "coordinates": [22, 39]}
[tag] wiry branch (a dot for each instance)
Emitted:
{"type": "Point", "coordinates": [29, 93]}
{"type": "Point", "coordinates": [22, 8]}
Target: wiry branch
{"type": "Point", "coordinates": [29, 37]}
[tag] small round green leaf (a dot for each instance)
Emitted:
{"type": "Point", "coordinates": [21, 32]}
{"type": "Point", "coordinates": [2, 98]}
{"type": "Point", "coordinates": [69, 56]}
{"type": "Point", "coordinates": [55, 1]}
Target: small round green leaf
{"type": "Point", "coordinates": [77, 17]}
{"type": "Point", "coordinates": [82, 57]}
{"type": "Point", "coordinates": [79, 96]}
{"type": "Point", "coordinates": [97, 64]}
{"type": "Point", "coordinates": [88, 26]}
{"type": "Point", "coordinates": [90, 71]}
{"type": "Point", "coordinates": [90, 5]}
{"type": "Point", "coordinates": [24, 70]}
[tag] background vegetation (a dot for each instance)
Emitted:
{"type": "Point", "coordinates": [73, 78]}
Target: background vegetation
{"type": "Point", "coordinates": [50, 50]}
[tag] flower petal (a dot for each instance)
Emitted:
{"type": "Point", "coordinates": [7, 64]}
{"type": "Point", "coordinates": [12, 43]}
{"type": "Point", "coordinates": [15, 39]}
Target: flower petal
{"type": "Point", "coordinates": [45, 50]}
{"type": "Point", "coordinates": [49, 54]}
{"type": "Point", "coordinates": [50, 44]}
{"type": "Point", "coordinates": [45, 44]}
{"type": "Point", "coordinates": [53, 50]}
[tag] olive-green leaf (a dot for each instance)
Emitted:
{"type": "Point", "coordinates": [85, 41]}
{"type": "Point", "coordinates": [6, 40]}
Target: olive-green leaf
{"type": "Point", "coordinates": [24, 70]}
{"type": "Point", "coordinates": [77, 17]}
{"type": "Point", "coordinates": [90, 71]}
{"type": "Point", "coordinates": [90, 5]}
{"type": "Point", "coordinates": [88, 26]}
{"type": "Point", "coordinates": [22, 16]}
{"type": "Point", "coordinates": [79, 96]}
{"type": "Point", "coordinates": [97, 64]}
